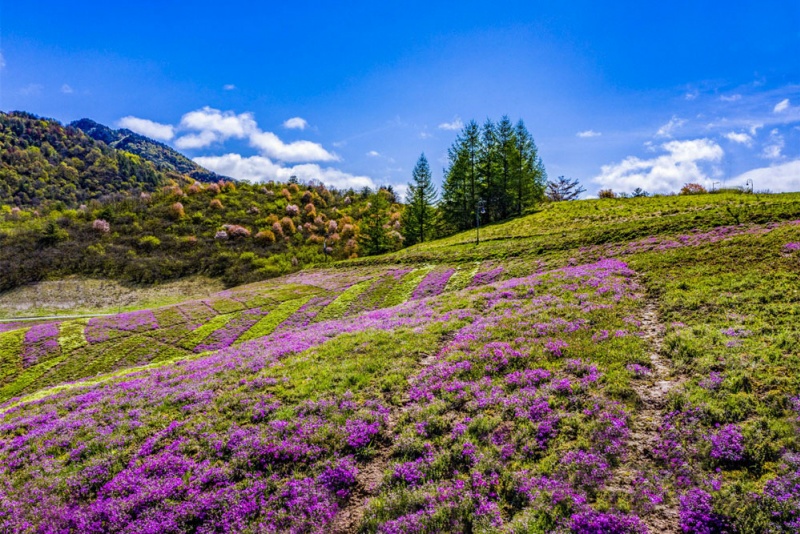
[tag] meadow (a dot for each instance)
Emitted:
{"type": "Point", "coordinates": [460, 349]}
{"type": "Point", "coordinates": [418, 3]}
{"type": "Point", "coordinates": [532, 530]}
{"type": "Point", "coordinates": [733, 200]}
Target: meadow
{"type": "Point", "coordinates": [615, 366]}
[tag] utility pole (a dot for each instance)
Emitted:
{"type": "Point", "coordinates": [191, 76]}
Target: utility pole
{"type": "Point", "coordinates": [480, 209]}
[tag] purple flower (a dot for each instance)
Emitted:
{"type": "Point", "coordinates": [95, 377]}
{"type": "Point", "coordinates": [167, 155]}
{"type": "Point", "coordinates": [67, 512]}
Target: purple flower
{"type": "Point", "coordinates": [727, 444]}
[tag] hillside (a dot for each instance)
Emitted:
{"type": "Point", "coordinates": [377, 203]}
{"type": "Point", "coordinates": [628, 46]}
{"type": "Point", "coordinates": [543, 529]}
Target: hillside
{"type": "Point", "coordinates": [71, 204]}
{"type": "Point", "coordinates": [600, 366]}
{"type": "Point", "coordinates": [44, 164]}
{"type": "Point", "coordinates": [164, 158]}
{"type": "Point", "coordinates": [236, 233]}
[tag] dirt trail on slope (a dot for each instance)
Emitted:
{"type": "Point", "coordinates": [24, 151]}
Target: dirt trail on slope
{"type": "Point", "coordinates": [653, 392]}
{"type": "Point", "coordinates": [370, 476]}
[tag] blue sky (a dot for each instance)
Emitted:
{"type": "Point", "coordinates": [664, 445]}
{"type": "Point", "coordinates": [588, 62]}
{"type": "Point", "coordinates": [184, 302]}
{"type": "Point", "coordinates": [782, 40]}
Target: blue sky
{"type": "Point", "coordinates": [616, 94]}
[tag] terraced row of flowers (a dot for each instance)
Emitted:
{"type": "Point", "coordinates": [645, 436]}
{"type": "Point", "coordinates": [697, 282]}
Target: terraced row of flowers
{"type": "Point", "coordinates": [49, 354]}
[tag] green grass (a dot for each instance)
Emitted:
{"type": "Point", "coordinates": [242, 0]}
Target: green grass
{"type": "Point", "coordinates": [266, 325]}
{"type": "Point", "coordinates": [339, 306]}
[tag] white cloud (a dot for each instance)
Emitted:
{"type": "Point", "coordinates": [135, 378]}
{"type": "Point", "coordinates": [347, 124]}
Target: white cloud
{"type": "Point", "coordinates": [665, 173]}
{"type": "Point", "coordinates": [691, 95]}
{"type": "Point", "coordinates": [667, 129]}
{"type": "Point", "coordinates": [228, 87]}
{"type": "Point", "coordinates": [218, 125]}
{"type": "Point", "coordinates": [148, 128]}
{"type": "Point", "coordinates": [783, 105]}
{"type": "Point", "coordinates": [295, 123]}
{"type": "Point", "coordinates": [777, 178]}
{"type": "Point", "coordinates": [208, 126]}
{"type": "Point", "coordinates": [741, 138]}
{"type": "Point", "coordinates": [373, 154]}
{"type": "Point", "coordinates": [271, 146]}
{"type": "Point", "coordinates": [259, 168]}
{"type": "Point", "coordinates": [198, 140]}
{"type": "Point", "coordinates": [588, 133]}
{"type": "Point", "coordinates": [730, 98]}
{"type": "Point", "coordinates": [425, 135]}
{"type": "Point", "coordinates": [774, 148]}
{"type": "Point", "coordinates": [66, 89]}
{"type": "Point", "coordinates": [455, 124]}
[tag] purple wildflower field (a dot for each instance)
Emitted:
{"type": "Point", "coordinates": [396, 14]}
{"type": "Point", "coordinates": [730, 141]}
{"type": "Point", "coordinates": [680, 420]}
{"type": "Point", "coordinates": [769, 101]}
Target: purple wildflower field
{"type": "Point", "coordinates": [576, 399]}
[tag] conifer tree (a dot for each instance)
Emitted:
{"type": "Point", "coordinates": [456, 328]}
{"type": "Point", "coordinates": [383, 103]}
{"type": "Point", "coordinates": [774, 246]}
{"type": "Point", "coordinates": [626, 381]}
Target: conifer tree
{"type": "Point", "coordinates": [418, 217]}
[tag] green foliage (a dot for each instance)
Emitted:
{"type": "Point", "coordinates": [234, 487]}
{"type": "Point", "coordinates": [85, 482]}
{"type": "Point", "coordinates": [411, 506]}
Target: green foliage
{"type": "Point", "coordinates": [266, 325]}
{"type": "Point", "coordinates": [339, 306]}
{"type": "Point", "coordinates": [494, 173]}
{"type": "Point", "coordinates": [420, 215]}
{"type": "Point", "coordinates": [11, 352]}
{"type": "Point", "coordinates": [71, 335]}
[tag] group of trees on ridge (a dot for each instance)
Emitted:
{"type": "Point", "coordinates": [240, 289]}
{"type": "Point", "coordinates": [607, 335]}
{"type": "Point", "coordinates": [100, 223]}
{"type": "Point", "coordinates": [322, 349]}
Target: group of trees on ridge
{"type": "Point", "coordinates": [494, 172]}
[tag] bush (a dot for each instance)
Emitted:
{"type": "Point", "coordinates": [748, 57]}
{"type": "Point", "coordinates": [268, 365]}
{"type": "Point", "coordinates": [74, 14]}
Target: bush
{"type": "Point", "coordinates": [693, 189]}
{"type": "Point", "coordinates": [606, 193]}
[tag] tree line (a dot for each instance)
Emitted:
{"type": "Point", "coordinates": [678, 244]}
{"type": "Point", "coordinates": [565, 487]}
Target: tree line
{"type": "Point", "coordinates": [494, 172]}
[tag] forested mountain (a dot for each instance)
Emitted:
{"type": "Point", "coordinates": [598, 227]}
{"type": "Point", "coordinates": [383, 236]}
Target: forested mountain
{"type": "Point", "coordinates": [43, 162]}
{"type": "Point", "coordinates": [163, 157]}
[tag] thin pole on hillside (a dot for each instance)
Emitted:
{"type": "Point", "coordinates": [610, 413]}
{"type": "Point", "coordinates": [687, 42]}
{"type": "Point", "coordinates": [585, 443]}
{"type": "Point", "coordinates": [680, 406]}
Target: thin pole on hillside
{"type": "Point", "coordinates": [480, 209]}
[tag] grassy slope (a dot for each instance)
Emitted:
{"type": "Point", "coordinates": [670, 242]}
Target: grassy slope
{"type": "Point", "coordinates": [726, 299]}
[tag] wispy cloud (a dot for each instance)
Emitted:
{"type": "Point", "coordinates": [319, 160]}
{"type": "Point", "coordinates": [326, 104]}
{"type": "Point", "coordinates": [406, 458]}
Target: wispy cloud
{"type": "Point", "coordinates": [2, 61]}
{"type": "Point", "coordinates": [683, 162]}
{"type": "Point", "coordinates": [691, 95]}
{"type": "Point", "coordinates": [668, 129]}
{"type": "Point", "coordinates": [774, 148]}
{"type": "Point", "coordinates": [781, 106]}
{"type": "Point", "coordinates": [731, 98]}
{"type": "Point", "coordinates": [228, 87]}
{"type": "Point", "coordinates": [295, 123]}
{"type": "Point", "coordinates": [373, 154]}
{"type": "Point", "coordinates": [455, 124]}
{"type": "Point", "coordinates": [588, 133]}
{"type": "Point", "coordinates": [66, 89]}
{"type": "Point", "coordinates": [739, 137]}
{"type": "Point", "coordinates": [162, 132]}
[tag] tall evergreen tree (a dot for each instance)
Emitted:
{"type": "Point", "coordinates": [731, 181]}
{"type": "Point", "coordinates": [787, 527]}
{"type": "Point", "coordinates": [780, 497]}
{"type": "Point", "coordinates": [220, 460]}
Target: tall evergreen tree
{"type": "Point", "coordinates": [418, 217]}
{"type": "Point", "coordinates": [488, 172]}
{"type": "Point", "coordinates": [506, 140]}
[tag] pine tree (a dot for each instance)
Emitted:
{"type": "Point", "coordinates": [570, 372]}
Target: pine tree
{"type": "Point", "coordinates": [506, 140]}
{"type": "Point", "coordinates": [418, 218]}
{"type": "Point", "coordinates": [455, 206]}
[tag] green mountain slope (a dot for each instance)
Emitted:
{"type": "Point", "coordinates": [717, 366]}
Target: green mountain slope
{"type": "Point", "coordinates": [43, 162]}
{"type": "Point", "coordinates": [162, 156]}
{"type": "Point", "coordinates": [622, 366]}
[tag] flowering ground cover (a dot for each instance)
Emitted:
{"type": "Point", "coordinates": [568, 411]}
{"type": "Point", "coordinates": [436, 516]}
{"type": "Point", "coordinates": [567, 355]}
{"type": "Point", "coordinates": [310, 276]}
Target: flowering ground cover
{"type": "Point", "coordinates": [554, 382]}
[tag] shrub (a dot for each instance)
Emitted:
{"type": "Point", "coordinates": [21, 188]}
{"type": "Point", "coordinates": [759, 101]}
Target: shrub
{"type": "Point", "coordinates": [149, 242]}
{"type": "Point", "coordinates": [176, 210]}
{"type": "Point", "coordinates": [693, 189]}
{"type": "Point", "coordinates": [235, 231]}
{"type": "Point", "coordinates": [215, 204]}
{"type": "Point", "coordinates": [292, 210]}
{"type": "Point", "coordinates": [288, 226]}
{"type": "Point", "coordinates": [606, 193]}
{"type": "Point", "coordinates": [101, 226]}
{"type": "Point", "coordinates": [265, 236]}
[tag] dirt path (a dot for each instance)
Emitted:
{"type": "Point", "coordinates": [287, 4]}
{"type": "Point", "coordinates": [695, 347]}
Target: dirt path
{"type": "Point", "coordinates": [653, 392]}
{"type": "Point", "coordinates": [370, 476]}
